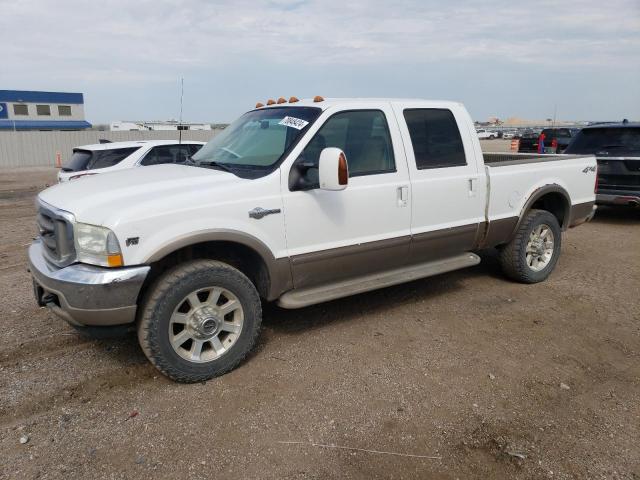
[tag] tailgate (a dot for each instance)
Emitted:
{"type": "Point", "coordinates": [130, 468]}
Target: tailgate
{"type": "Point", "coordinates": [619, 175]}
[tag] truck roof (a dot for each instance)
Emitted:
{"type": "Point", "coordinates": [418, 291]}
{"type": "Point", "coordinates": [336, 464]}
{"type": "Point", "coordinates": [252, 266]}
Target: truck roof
{"type": "Point", "coordinates": [614, 125]}
{"type": "Point", "coordinates": [331, 102]}
{"type": "Point", "coordinates": [134, 143]}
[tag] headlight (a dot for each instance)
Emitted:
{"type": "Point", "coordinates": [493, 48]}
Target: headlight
{"type": "Point", "coordinates": [97, 245]}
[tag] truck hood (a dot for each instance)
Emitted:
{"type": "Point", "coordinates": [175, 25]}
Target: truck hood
{"type": "Point", "coordinates": [104, 199]}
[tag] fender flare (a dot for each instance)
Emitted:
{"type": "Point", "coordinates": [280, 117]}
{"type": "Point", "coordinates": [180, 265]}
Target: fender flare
{"type": "Point", "coordinates": [540, 192]}
{"type": "Point", "coordinates": [279, 269]}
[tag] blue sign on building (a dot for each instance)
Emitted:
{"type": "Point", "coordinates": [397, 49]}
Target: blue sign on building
{"type": "Point", "coordinates": [3, 110]}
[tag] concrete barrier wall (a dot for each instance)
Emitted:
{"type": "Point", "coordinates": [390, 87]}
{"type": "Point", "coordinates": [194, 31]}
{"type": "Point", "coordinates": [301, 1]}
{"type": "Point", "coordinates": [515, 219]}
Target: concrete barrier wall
{"type": "Point", "coordinates": [39, 149]}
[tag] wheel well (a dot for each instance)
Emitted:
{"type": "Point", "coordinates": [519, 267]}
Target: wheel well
{"type": "Point", "coordinates": [239, 256]}
{"type": "Point", "coordinates": [555, 203]}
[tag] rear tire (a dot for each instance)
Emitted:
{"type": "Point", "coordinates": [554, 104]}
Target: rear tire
{"type": "Point", "coordinates": [199, 320]}
{"type": "Point", "coordinates": [533, 253]}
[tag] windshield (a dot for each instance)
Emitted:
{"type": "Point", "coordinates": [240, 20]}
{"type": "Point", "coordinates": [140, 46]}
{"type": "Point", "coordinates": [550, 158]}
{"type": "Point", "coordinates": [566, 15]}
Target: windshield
{"type": "Point", "coordinates": [258, 139]}
{"type": "Point", "coordinates": [606, 141]}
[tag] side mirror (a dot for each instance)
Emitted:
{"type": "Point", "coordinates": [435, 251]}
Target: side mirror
{"type": "Point", "coordinates": [333, 171]}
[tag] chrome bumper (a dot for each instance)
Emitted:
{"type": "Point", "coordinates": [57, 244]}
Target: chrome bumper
{"type": "Point", "coordinates": [85, 295]}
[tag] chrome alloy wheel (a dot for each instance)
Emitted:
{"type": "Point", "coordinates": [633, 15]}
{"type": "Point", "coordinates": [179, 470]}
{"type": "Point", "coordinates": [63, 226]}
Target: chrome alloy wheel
{"type": "Point", "coordinates": [540, 247]}
{"type": "Point", "coordinates": [206, 324]}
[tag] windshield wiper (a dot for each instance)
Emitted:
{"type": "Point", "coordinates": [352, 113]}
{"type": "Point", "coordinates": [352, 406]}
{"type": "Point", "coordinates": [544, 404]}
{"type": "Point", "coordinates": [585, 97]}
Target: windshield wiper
{"type": "Point", "coordinates": [214, 164]}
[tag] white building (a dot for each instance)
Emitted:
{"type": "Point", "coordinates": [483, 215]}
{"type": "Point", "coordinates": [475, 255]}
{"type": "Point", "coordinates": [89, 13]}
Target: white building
{"type": "Point", "coordinates": [126, 126]}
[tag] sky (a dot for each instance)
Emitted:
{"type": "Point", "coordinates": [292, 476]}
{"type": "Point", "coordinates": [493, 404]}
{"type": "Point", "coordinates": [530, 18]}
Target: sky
{"type": "Point", "coordinates": [502, 58]}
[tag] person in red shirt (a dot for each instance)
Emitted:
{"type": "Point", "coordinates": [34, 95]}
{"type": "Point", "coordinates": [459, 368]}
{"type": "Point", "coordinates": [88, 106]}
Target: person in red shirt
{"type": "Point", "coordinates": [541, 142]}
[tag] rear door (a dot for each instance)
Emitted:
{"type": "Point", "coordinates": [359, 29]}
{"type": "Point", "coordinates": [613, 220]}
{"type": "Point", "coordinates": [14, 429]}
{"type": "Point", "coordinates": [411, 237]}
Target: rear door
{"type": "Point", "coordinates": [448, 190]}
{"type": "Point", "coordinates": [359, 230]}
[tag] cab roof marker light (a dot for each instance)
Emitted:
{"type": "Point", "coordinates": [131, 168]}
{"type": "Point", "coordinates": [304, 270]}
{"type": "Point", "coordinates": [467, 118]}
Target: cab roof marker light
{"type": "Point", "coordinates": [293, 100]}
{"type": "Point", "coordinates": [271, 102]}
{"type": "Point", "coordinates": [282, 100]}
{"type": "Point", "coordinates": [259, 105]}
{"type": "Point", "coordinates": [318, 98]}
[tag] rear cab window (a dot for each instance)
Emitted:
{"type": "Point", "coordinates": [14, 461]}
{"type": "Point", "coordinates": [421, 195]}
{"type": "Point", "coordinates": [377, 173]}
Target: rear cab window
{"type": "Point", "coordinates": [435, 138]}
{"type": "Point", "coordinates": [550, 133]}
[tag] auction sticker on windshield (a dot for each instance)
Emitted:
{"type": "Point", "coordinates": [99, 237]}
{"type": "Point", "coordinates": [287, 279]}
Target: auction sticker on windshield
{"type": "Point", "coordinates": [294, 122]}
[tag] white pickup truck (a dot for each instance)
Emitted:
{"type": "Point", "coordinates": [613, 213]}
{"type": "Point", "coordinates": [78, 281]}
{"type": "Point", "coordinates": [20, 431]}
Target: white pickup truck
{"type": "Point", "coordinates": [298, 202]}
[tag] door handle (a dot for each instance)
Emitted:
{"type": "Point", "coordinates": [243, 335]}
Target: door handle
{"type": "Point", "coordinates": [403, 196]}
{"type": "Point", "coordinates": [472, 187]}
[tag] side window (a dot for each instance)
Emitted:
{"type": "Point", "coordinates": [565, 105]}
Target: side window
{"type": "Point", "coordinates": [109, 158]}
{"type": "Point", "coordinates": [166, 154]}
{"type": "Point", "coordinates": [43, 110]}
{"type": "Point", "coordinates": [193, 148]}
{"type": "Point", "coordinates": [435, 138]}
{"type": "Point", "coordinates": [363, 135]}
{"type": "Point", "coordinates": [20, 109]}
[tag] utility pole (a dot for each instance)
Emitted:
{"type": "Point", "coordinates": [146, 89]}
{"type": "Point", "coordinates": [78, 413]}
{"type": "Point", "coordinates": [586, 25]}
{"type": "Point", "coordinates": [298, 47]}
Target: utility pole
{"type": "Point", "coordinates": [180, 121]}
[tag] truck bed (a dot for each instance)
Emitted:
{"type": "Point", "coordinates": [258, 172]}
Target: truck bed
{"type": "Point", "coordinates": [514, 177]}
{"type": "Point", "coordinates": [500, 159]}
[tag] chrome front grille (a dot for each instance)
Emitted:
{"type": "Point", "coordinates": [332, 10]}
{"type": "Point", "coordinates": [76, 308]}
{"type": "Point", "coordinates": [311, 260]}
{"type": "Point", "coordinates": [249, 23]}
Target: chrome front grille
{"type": "Point", "coordinates": [55, 228]}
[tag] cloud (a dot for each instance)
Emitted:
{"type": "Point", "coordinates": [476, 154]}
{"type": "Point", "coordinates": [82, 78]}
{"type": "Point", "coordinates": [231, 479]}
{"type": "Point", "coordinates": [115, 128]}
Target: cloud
{"type": "Point", "coordinates": [120, 43]}
{"type": "Point", "coordinates": [148, 36]}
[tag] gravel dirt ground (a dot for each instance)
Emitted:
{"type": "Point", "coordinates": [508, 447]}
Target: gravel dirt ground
{"type": "Point", "coordinates": [465, 375]}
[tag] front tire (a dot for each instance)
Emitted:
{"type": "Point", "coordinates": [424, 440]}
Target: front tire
{"type": "Point", "coordinates": [199, 320]}
{"type": "Point", "coordinates": [532, 254]}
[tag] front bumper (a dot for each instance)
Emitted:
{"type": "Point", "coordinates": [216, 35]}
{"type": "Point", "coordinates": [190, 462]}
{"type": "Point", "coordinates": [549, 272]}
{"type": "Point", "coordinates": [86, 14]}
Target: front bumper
{"type": "Point", "coordinates": [85, 295]}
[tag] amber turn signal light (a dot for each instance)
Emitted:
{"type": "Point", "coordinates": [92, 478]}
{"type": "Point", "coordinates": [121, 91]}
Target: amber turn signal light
{"type": "Point", "coordinates": [282, 100]}
{"type": "Point", "coordinates": [271, 102]}
{"type": "Point", "coordinates": [293, 100]}
{"type": "Point", "coordinates": [343, 171]}
{"type": "Point", "coordinates": [259, 105]}
{"type": "Point", "coordinates": [318, 98]}
{"type": "Point", "coordinates": [115, 260]}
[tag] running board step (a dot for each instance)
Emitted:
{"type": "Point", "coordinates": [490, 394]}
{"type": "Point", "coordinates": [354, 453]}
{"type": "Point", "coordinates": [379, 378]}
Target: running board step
{"type": "Point", "coordinates": [366, 283]}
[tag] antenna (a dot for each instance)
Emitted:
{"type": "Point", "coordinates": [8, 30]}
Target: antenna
{"type": "Point", "coordinates": [180, 121]}
{"type": "Point", "coordinates": [555, 111]}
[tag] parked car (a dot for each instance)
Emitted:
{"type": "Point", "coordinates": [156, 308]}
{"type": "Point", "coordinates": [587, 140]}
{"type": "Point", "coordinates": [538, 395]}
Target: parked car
{"type": "Point", "coordinates": [298, 203]}
{"type": "Point", "coordinates": [509, 134]}
{"type": "Point", "coordinates": [111, 156]}
{"type": "Point", "coordinates": [562, 137]}
{"type": "Point", "coordinates": [486, 134]}
{"type": "Point", "coordinates": [617, 150]}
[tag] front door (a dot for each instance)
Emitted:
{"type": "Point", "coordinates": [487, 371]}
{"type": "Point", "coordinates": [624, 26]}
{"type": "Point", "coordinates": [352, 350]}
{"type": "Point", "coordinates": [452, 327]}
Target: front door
{"type": "Point", "coordinates": [359, 230]}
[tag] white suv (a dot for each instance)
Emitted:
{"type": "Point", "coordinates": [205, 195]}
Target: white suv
{"type": "Point", "coordinates": [486, 134]}
{"type": "Point", "coordinates": [108, 157]}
